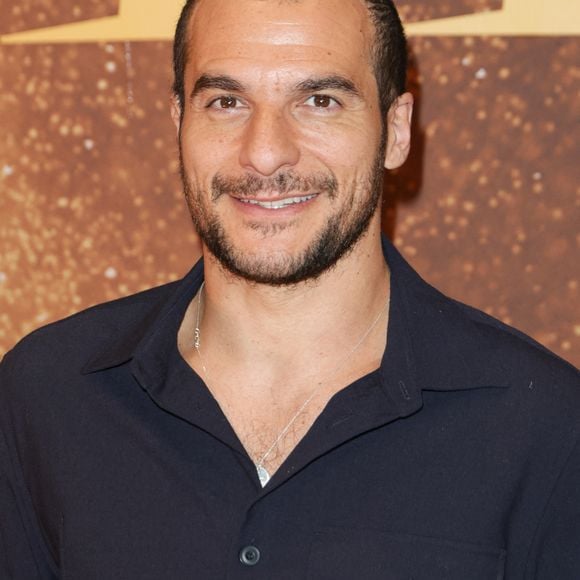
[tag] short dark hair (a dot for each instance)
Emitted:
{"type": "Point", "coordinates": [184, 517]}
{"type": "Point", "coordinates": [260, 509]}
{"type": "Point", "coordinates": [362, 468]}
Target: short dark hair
{"type": "Point", "coordinates": [389, 51]}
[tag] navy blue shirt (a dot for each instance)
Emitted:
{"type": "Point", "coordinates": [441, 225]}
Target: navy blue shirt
{"type": "Point", "coordinates": [457, 459]}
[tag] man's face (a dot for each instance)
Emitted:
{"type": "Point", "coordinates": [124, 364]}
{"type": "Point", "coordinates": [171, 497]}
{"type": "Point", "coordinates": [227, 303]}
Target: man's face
{"type": "Point", "coordinates": [281, 137]}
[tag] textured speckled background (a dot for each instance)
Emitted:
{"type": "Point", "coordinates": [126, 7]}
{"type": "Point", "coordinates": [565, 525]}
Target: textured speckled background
{"type": "Point", "coordinates": [414, 10]}
{"type": "Point", "coordinates": [19, 15]}
{"type": "Point", "coordinates": [487, 208]}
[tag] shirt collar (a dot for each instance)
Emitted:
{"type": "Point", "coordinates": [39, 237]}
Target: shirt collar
{"type": "Point", "coordinates": [162, 317]}
{"type": "Point", "coordinates": [443, 345]}
{"type": "Point", "coordinates": [449, 345]}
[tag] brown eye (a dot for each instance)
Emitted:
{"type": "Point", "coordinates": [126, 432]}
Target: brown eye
{"type": "Point", "coordinates": [223, 103]}
{"type": "Point", "coordinates": [227, 102]}
{"type": "Point", "coordinates": [322, 101]}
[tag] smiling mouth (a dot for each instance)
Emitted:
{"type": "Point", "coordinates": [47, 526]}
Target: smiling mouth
{"type": "Point", "coordinates": [278, 203]}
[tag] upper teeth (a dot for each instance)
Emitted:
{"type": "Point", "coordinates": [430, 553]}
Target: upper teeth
{"type": "Point", "coordinates": [280, 203]}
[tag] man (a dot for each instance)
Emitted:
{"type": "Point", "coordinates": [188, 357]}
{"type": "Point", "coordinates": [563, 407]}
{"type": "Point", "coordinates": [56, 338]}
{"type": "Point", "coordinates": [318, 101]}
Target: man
{"type": "Point", "coordinates": [302, 404]}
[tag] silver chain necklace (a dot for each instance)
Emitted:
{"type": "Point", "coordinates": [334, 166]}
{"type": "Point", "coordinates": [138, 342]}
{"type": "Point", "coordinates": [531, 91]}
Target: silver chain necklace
{"type": "Point", "coordinates": [263, 474]}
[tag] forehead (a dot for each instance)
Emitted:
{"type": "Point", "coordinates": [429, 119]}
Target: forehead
{"type": "Point", "coordinates": [275, 35]}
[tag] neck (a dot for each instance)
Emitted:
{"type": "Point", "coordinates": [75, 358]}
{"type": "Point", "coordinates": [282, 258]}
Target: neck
{"type": "Point", "coordinates": [273, 329]}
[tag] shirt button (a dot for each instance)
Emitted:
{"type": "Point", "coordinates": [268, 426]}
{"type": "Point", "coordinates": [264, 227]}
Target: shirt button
{"type": "Point", "coordinates": [249, 556]}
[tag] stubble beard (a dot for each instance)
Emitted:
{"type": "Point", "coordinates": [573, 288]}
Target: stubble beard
{"type": "Point", "coordinates": [335, 241]}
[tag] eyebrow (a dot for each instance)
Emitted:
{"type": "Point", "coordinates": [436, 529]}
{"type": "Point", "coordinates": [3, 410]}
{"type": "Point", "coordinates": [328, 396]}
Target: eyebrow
{"type": "Point", "coordinates": [316, 84]}
{"type": "Point", "coordinates": [221, 82]}
{"type": "Point", "coordinates": [332, 82]}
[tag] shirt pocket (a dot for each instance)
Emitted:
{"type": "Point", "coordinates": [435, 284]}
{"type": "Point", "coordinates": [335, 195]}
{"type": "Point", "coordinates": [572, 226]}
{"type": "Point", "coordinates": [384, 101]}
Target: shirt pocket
{"type": "Point", "coordinates": [362, 554]}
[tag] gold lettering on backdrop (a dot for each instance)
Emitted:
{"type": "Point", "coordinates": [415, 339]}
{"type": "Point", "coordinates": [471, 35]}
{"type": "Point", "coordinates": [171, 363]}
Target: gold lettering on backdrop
{"type": "Point", "coordinates": [157, 22]}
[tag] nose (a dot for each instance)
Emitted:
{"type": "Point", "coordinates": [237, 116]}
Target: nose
{"type": "Point", "coordinates": [268, 143]}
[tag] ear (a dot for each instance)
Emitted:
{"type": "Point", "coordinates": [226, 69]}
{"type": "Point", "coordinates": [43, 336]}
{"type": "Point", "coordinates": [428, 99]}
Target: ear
{"type": "Point", "coordinates": [176, 113]}
{"type": "Point", "coordinates": [399, 131]}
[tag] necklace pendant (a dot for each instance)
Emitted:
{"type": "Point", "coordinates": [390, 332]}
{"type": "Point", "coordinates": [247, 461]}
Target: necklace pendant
{"type": "Point", "coordinates": [263, 475]}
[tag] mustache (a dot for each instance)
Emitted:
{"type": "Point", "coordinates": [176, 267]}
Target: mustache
{"type": "Point", "coordinates": [283, 183]}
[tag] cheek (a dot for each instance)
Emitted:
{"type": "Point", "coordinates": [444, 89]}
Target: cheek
{"type": "Point", "coordinates": [353, 144]}
{"type": "Point", "coordinates": [347, 160]}
{"type": "Point", "coordinates": [202, 157]}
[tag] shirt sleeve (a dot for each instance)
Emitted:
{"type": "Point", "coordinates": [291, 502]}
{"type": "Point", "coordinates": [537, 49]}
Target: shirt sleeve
{"type": "Point", "coordinates": [23, 555]}
{"type": "Point", "coordinates": [556, 549]}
